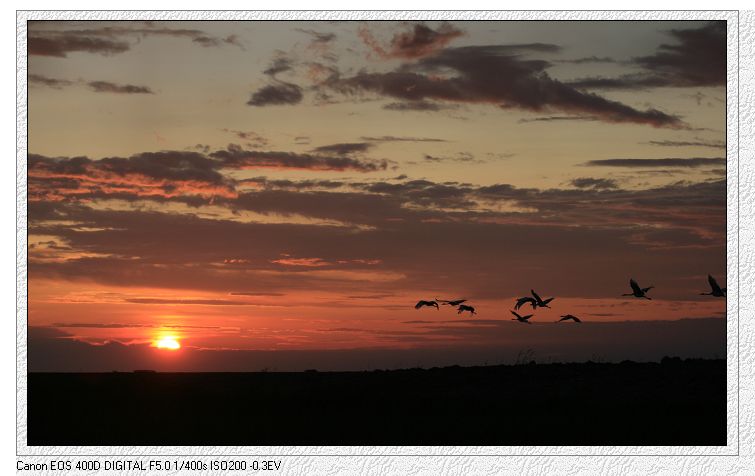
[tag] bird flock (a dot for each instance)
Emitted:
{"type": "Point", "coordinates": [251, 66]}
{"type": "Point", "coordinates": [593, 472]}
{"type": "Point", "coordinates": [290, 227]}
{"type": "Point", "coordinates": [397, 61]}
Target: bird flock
{"type": "Point", "coordinates": [536, 301]}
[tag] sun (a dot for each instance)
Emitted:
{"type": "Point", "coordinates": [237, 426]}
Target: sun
{"type": "Point", "coordinates": [168, 342]}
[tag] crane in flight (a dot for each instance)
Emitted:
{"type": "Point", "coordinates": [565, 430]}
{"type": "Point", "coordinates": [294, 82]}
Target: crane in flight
{"type": "Point", "coordinates": [568, 317]}
{"type": "Point", "coordinates": [520, 318]}
{"type": "Point", "coordinates": [540, 302]}
{"type": "Point", "coordinates": [464, 307]}
{"type": "Point", "coordinates": [525, 300]}
{"type": "Point", "coordinates": [426, 303]}
{"type": "Point", "coordinates": [715, 289]}
{"type": "Point", "coordinates": [637, 291]}
{"type": "Point", "coordinates": [450, 303]}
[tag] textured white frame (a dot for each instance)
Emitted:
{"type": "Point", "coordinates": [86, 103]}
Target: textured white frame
{"type": "Point", "coordinates": [453, 459]}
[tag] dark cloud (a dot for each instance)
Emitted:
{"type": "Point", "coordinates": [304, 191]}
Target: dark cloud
{"type": "Point", "coordinates": [495, 75]}
{"type": "Point", "coordinates": [108, 87]}
{"type": "Point", "coordinates": [420, 41]}
{"type": "Point", "coordinates": [695, 143]}
{"type": "Point", "coordinates": [276, 95]}
{"type": "Point", "coordinates": [594, 183]}
{"type": "Point", "coordinates": [233, 40]}
{"type": "Point", "coordinates": [236, 157]}
{"type": "Point", "coordinates": [151, 174]}
{"type": "Point", "coordinates": [280, 64]}
{"type": "Point", "coordinates": [264, 182]}
{"type": "Point", "coordinates": [318, 38]}
{"type": "Point", "coordinates": [666, 162]}
{"type": "Point", "coordinates": [344, 148]}
{"type": "Point", "coordinates": [279, 92]}
{"type": "Point", "coordinates": [191, 177]}
{"type": "Point", "coordinates": [696, 59]}
{"type": "Point", "coordinates": [252, 138]}
{"type": "Point", "coordinates": [96, 86]}
{"type": "Point", "coordinates": [402, 139]}
{"type": "Point", "coordinates": [463, 157]}
{"type": "Point", "coordinates": [558, 118]}
{"type": "Point", "coordinates": [50, 82]}
{"type": "Point", "coordinates": [589, 59]}
{"type": "Point", "coordinates": [193, 302]}
{"type": "Point", "coordinates": [418, 106]}
{"type": "Point", "coordinates": [204, 148]}
{"type": "Point", "coordinates": [60, 46]}
{"type": "Point", "coordinates": [210, 41]}
{"type": "Point", "coordinates": [628, 81]}
{"type": "Point", "coordinates": [108, 40]}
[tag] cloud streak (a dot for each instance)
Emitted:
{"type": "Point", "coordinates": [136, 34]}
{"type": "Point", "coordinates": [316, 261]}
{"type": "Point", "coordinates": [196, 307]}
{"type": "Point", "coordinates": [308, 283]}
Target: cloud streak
{"type": "Point", "coordinates": [107, 40]}
{"type": "Point", "coordinates": [665, 162]}
{"type": "Point", "coordinates": [96, 86]}
{"type": "Point", "coordinates": [108, 87]}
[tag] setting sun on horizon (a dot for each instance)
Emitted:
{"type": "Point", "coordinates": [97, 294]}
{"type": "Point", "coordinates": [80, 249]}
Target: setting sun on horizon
{"type": "Point", "coordinates": [168, 342]}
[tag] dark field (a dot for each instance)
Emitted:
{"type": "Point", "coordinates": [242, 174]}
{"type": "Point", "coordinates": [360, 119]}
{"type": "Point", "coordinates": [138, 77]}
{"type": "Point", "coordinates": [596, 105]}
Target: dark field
{"type": "Point", "coordinates": [670, 403]}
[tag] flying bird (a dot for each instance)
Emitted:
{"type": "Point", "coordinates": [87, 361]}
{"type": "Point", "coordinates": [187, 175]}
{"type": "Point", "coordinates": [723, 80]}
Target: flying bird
{"type": "Point", "coordinates": [715, 289]}
{"type": "Point", "coordinates": [524, 300]}
{"type": "Point", "coordinates": [637, 291]}
{"type": "Point", "coordinates": [426, 303]}
{"type": "Point", "coordinates": [464, 307]}
{"type": "Point", "coordinates": [521, 318]}
{"type": "Point", "coordinates": [451, 303]}
{"type": "Point", "coordinates": [539, 302]}
{"type": "Point", "coordinates": [568, 317]}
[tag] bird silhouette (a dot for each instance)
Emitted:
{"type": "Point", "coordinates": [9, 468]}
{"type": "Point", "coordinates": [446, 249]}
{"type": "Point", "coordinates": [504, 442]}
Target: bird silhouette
{"type": "Point", "coordinates": [426, 303]}
{"type": "Point", "coordinates": [539, 302]}
{"type": "Point", "coordinates": [637, 291]}
{"type": "Point", "coordinates": [464, 307]}
{"type": "Point", "coordinates": [569, 317]}
{"type": "Point", "coordinates": [715, 289]}
{"type": "Point", "coordinates": [521, 318]}
{"type": "Point", "coordinates": [524, 300]}
{"type": "Point", "coordinates": [450, 303]}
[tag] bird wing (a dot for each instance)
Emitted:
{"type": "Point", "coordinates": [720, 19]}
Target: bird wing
{"type": "Point", "coordinates": [516, 314]}
{"type": "Point", "coordinates": [548, 300]}
{"type": "Point", "coordinates": [535, 295]}
{"type": "Point", "coordinates": [644, 290]}
{"type": "Point", "coordinates": [635, 286]}
{"type": "Point", "coordinates": [576, 319]}
{"type": "Point", "coordinates": [713, 284]}
{"type": "Point", "coordinates": [419, 304]}
{"type": "Point", "coordinates": [441, 300]}
{"type": "Point", "coordinates": [456, 303]}
{"type": "Point", "coordinates": [522, 301]}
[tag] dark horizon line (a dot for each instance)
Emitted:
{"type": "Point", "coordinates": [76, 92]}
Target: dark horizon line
{"type": "Point", "coordinates": [665, 360]}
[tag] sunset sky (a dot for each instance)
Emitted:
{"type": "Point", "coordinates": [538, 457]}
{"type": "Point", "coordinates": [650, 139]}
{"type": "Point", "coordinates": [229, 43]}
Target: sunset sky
{"type": "Point", "coordinates": [250, 187]}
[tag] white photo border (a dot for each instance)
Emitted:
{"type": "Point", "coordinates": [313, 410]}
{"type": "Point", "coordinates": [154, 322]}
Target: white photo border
{"type": "Point", "coordinates": [739, 334]}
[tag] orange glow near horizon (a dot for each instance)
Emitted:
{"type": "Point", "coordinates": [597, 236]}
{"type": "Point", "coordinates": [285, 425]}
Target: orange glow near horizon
{"type": "Point", "coordinates": [168, 342]}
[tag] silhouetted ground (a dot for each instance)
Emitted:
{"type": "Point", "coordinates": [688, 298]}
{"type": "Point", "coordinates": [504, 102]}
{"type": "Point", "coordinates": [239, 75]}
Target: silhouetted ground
{"type": "Point", "coordinates": [670, 403]}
